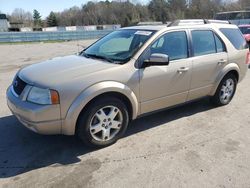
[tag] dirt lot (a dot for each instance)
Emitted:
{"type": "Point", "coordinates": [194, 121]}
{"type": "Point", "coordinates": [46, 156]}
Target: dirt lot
{"type": "Point", "coordinates": [194, 145]}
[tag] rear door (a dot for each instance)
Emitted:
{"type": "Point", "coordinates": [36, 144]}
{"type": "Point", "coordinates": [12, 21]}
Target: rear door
{"type": "Point", "coordinates": [209, 58]}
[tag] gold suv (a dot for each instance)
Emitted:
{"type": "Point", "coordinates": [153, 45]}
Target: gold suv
{"type": "Point", "coordinates": [129, 73]}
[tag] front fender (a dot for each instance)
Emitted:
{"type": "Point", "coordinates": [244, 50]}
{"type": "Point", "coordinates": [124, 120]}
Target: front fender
{"type": "Point", "coordinates": [223, 72]}
{"type": "Point", "coordinates": [69, 123]}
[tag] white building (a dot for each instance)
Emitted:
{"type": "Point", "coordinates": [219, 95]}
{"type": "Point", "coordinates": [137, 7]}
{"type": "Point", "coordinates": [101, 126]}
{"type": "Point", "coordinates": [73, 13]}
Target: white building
{"type": "Point", "coordinates": [74, 28]}
{"type": "Point", "coordinates": [111, 27]}
{"type": "Point", "coordinates": [4, 24]}
{"type": "Point", "coordinates": [54, 29]}
{"type": "Point", "coordinates": [26, 29]}
{"type": "Point", "coordinates": [89, 27]}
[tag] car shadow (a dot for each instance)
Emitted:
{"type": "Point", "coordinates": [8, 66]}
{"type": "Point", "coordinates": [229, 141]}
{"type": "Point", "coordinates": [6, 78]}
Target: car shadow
{"type": "Point", "coordinates": [168, 115]}
{"type": "Point", "coordinates": [21, 150]}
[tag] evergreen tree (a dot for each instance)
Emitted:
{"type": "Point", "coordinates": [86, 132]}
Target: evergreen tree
{"type": "Point", "coordinates": [52, 20]}
{"type": "Point", "coordinates": [177, 5]}
{"type": "Point", "coordinates": [159, 10]}
{"type": "Point", "coordinates": [37, 18]}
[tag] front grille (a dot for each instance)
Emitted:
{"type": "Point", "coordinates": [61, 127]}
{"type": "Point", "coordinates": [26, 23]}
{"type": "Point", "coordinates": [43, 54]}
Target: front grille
{"type": "Point", "coordinates": [19, 85]}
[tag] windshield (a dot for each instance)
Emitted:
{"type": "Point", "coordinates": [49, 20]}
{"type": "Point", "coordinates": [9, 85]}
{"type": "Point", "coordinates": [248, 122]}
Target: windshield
{"type": "Point", "coordinates": [118, 46]}
{"type": "Point", "coordinates": [245, 30]}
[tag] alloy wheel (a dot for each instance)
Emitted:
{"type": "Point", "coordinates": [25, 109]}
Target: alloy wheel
{"type": "Point", "coordinates": [227, 90]}
{"type": "Point", "coordinates": [106, 123]}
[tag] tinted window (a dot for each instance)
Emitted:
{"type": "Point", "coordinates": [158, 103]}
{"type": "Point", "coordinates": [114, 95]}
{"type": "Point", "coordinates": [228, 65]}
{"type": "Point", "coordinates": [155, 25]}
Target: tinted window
{"type": "Point", "coordinates": [221, 16]}
{"type": "Point", "coordinates": [203, 42]}
{"type": "Point", "coordinates": [173, 44]}
{"type": "Point", "coordinates": [247, 15]}
{"type": "Point", "coordinates": [245, 30]}
{"type": "Point", "coordinates": [235, 37]}
{"type": "Point", "coordinates": [232, 15]}
{"type": "Point", "coordinates": [220, 47]}
{"type": "Point", "coordinates": [238, 15]}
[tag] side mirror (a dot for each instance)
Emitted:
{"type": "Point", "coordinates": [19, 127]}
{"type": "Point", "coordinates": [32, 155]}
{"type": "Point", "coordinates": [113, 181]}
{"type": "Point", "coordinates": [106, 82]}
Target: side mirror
{"type": "Point", "coordinates": [156, 60]}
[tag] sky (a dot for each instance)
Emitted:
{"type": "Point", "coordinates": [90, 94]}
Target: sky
{"type": "Point", "coordinates": [43, 6]}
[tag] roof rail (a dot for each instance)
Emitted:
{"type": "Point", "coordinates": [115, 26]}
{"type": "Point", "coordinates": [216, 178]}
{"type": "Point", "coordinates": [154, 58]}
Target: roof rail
{"type": "Point", "coordinates": [149, 23]}
{"type": "Point", "coordinates": [219, 21]}
{"type": "Point", "coordinates": [196, 22]}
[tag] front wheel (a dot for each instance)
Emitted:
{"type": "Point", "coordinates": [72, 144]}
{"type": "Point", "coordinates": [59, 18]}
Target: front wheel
{"type": "Point", "coordinates": [225, 90]}
{"type": "Point", "coordinates": [103, 122]}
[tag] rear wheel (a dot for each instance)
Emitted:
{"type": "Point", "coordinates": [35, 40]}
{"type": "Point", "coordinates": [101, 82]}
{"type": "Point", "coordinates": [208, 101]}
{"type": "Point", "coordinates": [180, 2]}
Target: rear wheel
{"type": "Point", "coordinates": [225, 90]}
{"type": "Point", "coordinates": [103, 122]}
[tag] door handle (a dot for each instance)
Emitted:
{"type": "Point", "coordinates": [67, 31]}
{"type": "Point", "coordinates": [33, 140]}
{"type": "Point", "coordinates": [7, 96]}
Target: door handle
{"type": "Point", "coordinates": [222, 61]}
{"type": "Point", "coordinates": [182, 69]}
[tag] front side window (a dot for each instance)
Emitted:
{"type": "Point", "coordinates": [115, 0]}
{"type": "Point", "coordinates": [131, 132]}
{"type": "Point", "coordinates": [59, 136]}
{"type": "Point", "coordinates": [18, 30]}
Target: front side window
{"type": "Point", "coordinates": [203, 43]}
{"type": "Point", "coordinates": [173, 44]}
{"type": "Point", "coordinates": [118, 46]}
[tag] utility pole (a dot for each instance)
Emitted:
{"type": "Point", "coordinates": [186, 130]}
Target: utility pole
{"type": "Point", "coordinates": [189, 3]}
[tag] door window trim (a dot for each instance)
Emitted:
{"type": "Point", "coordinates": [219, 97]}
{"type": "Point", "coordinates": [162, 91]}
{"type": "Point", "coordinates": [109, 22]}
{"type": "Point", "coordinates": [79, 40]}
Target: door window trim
{"type": "Point", "coordinates": [138, 63]}
{"type": "Point", "coordinates": [214, 34]}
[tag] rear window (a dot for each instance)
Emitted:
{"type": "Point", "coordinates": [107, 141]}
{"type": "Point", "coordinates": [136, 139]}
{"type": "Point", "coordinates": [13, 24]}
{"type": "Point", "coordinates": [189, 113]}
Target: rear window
{"type": "Point", "coordinates": [235, 37]}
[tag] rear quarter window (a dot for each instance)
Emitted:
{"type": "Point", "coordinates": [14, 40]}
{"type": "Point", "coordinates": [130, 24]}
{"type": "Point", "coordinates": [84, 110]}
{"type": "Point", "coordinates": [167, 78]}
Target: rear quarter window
{"type": "Point", "coordinates": [235, 37]}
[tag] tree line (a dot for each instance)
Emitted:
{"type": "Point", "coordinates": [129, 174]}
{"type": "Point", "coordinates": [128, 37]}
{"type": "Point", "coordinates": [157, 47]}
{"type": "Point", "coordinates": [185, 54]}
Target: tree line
{"type": "Point", "coordinates": [127, 13]}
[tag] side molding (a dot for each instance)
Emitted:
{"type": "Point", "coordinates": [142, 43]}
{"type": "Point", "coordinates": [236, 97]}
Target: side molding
{"type": "Point", "coordinates": [69, 123]}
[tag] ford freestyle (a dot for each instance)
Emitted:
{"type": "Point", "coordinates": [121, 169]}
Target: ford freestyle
{"type": "Point", "coordinates": [126, 74]}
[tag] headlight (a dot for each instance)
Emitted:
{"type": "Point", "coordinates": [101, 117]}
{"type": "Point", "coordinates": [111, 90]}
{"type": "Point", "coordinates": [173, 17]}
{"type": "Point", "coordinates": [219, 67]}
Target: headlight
{"type": "Point", "coordinates": [43, 96]}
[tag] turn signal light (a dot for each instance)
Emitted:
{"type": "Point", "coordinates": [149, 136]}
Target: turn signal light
{"type": "Point", "coordinates": [54, 97]}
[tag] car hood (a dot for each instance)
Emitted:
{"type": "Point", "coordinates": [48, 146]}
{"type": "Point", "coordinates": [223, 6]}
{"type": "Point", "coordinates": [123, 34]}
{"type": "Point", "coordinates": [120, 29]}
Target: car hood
{"type": "Point", "coordinates": [62, 69]}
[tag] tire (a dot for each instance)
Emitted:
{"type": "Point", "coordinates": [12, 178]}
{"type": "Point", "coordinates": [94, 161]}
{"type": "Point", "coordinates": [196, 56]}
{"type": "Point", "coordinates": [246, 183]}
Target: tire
{"type": "Point", "coordinates": [97, 127]}
{"type": "Point", "coordinates": [225, 91]}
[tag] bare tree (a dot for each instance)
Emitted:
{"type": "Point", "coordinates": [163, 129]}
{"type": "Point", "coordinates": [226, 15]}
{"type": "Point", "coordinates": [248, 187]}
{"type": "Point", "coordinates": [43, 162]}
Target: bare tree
{"type": "Point", "coordinates": [129, 12]}
{"type": "Point", "coordinates": [21, 16]}
{"type": "Point", "coordinates": [244, 4]}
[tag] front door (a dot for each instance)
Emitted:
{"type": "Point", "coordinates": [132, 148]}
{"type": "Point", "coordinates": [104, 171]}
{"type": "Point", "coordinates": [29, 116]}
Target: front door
{"type": "Point", "coordinates": [164, 86]}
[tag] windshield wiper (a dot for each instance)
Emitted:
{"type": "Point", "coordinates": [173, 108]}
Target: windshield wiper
{"type": "Point", "coordinates": [98, 57]}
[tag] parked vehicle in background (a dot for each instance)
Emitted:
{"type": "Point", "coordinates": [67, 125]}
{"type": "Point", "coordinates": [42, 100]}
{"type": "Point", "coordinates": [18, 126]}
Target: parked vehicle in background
{"type": "Point", "coordinates": [128, 73]}
{"type": "Point", "coordinates": [245, 29]}
{"type": "Point", "coordinates": [235, 17]}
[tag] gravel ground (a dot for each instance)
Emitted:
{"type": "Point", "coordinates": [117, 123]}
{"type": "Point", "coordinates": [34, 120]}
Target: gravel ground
{"type": "Point", "coordinates": [195, 145]}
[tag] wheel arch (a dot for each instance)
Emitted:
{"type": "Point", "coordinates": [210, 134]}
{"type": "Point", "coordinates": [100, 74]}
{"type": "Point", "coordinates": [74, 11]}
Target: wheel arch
{"type": "Point", "coordinates": [230, 69]}
{"type": "Point", "coordinates": [109, 88]}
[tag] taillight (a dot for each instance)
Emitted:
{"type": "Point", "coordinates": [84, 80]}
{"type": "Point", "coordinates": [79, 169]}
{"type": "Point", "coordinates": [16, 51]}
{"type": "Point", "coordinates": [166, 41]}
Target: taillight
{"type": "Point", "coordinates": [248, 58]}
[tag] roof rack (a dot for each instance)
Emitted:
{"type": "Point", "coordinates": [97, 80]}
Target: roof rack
{"type": "Point", "coordinates": [196, 22]}
{"type": "Point", "coordinates": [150, 23]}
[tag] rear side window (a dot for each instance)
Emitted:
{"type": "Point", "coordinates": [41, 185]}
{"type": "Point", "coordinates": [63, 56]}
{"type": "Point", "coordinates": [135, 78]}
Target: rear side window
{"type": "Point", "coordinates": [235, 37]}
{"type": "Point", "coordinates": [203, 42]}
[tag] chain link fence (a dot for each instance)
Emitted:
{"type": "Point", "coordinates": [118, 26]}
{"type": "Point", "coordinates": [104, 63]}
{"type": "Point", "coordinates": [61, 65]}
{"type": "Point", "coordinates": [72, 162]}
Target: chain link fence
{"type": "Point", "coordinates": [6, 37]}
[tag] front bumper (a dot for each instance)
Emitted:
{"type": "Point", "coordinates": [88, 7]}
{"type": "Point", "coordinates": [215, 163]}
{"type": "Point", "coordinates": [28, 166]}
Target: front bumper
{"type": "Point", "coordinates": [42, 119]}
